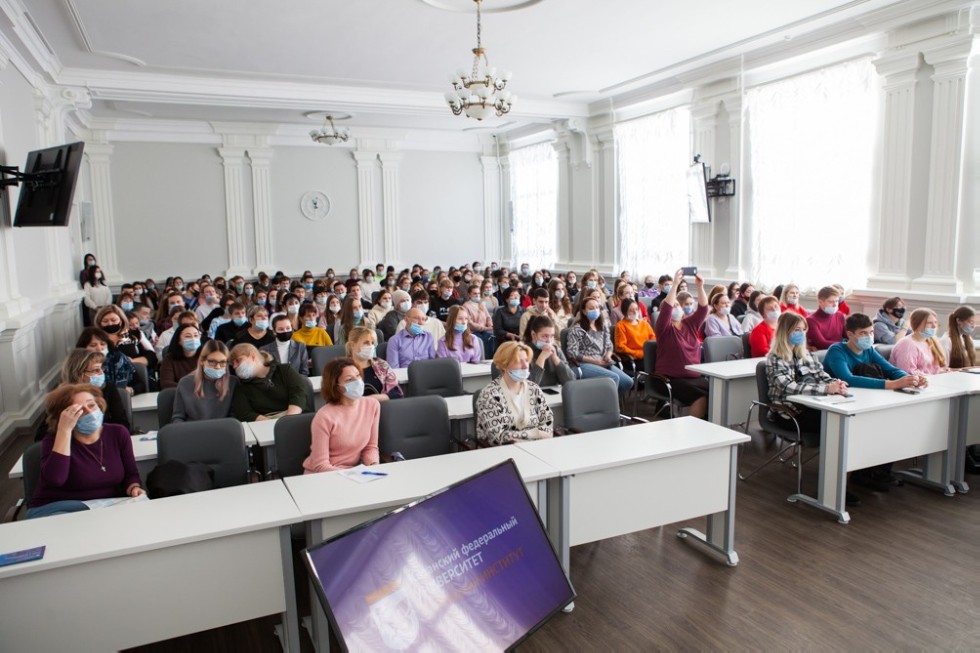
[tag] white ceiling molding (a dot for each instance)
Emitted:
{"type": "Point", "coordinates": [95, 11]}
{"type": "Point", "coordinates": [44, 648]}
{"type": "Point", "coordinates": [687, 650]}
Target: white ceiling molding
{"type": "Point", "coordinates": [27, 32]}
{"type": "Point", "coordinates": [87, 43]}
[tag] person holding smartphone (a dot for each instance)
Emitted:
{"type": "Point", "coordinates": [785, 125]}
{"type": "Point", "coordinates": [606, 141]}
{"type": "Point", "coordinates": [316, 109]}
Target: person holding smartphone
{"type": "Point", "coordinates": [678, 344]}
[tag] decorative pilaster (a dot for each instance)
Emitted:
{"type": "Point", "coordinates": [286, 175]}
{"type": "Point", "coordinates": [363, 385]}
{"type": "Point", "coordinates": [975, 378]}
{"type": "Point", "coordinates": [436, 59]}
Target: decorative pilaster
{"type": "Point", "coordinates": [99, 157]}
{"type": "Point", "coordinates": [233, 161]}
{"type": "Point", "coordinates": [951, 65]}
{"type": "Point", "coordinates": [260, 163]}
{"type": "Point", "coordinates": [562, 149]}
{"type": "Point", "coordinates": [736, 235]}
{"type": "Point", "coordinates": [899, 71]}
{"type": "Point", "coordinates": [604, 199]}
{"type": "Point", "coordinates": [506, 211]}
{"type": "Point", "coordinates": [390, 195]}
{"type": "Point", "coordinates": [367, 166]}
{"type": "Point", "coordinates": [492, 216]}
{"type": "Point", "coordinates": [705, 119]}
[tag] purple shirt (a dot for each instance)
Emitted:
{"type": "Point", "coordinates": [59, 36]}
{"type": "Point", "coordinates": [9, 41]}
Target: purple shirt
{"type": "Point", "coordinates": [80, 476]}
{"type": "Point", "coordinates": [472, 355]}
{"type": "Point", "coordinates": [825, 330]}
{"type": "Point", "coordinates": [404, 348]}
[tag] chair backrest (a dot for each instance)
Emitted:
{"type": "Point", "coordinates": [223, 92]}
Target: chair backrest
{"type": "Point", "coordinates": [218, 443]}
{"type": "Point", "coordinates": [310, 396]}
{"type": "Point", "coordinates": [416, 427]}
{"type": "Point", "coordinates": [127, 403]}
{"type": "Point", "coordinates": [819, 355]}
{"type": "Point", "coordinates": [722, 348]}
{"type": "Point", "coordinates": [323, 355]}
{"type": "Point", "coordinates": [382, 350]}
{"type": "Point", "coordinates": [143, 375]}
{"type": "Point", "coordinates": [436, 376]}
{"type": "Point", "coordinates": [884, 350]}
{"type": "Point", "coordinates": [563, 339]}
{"type": "Point", "coordinates": [292, 435]}
{"type": "Point", "coordinates": [165, 406]}
{"type": "Point", "coordinates": [746, 346]}
{"type": "Point", "coordinates": [380, 335]}
{"type": "Point", "coordinates": [762, 386]}
{"type": "Point", "coordinates": [650, 356]}
{"type": "Point", "coordinates": [494, 372]}
{"type": "Point", "coordinates": [590, 404]}
{"type": "Point", "coordinates": [646, 301]}
{"type": "Point", "coordinates": [31, 465]}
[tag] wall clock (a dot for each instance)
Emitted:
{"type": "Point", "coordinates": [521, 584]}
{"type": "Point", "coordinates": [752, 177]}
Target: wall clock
{"type": "Point", "coordinates": [315, 205]}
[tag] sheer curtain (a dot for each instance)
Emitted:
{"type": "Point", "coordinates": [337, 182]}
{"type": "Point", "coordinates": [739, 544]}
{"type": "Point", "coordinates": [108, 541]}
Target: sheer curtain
{"type": "Point", "coordinates": [654, 154]}
{"type": "Point", "coordinates": [811, 152]}
{"type": "Point", "coordinates": [534, 191]}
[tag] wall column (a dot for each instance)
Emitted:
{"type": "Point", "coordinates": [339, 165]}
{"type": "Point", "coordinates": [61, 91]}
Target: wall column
{"type": "Point", "coordinates": [605, 217]}
{"type": "Point", "coordinates": [492, 216]}
{"type": "Point", "coordinates": [98, 153]}
{"type": "Point", "coordinates": [367, 166]}
{"type": "Point", "coordinates": [561, 147]}
{"type": "Point", "coordinates": [260, 162]}
{"type": "Point", "coordinates": [704, 118]}
{"type": "Point", "coordinates": [233, 161]}
{"type": "Point", "coordinates": [391, 201]}
{"type": "Point", "coordinates": [736, 228]}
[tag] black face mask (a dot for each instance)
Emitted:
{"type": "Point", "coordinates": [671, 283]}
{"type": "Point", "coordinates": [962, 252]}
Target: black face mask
{"type": "Point", "coordinates": [649, 284]}
{"type": "Point", "coordinates": [898, 312]}
{"type": "Point", "coordinates": [284, 337]}
{"type": "Point", "coordinates": [112, 328]}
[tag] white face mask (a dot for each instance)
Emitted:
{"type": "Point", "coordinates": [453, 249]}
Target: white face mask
{"type": "Point", "coordinates": [405, 306]}
{"type": "Point", "coordinates": [385, 305]}
{"type": "Point", "coordinates": [367, 352]}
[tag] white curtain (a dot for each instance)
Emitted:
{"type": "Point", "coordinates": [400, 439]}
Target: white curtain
{"type": "Point", "coordinates": [654, 154]}
{"type": "Point", "coordinates": [534, 191]}
{"type": "Point", "coordinates": [812, 152]}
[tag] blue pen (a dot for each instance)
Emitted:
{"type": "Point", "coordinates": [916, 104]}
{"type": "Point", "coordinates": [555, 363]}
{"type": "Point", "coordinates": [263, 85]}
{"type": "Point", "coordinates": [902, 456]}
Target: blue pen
{"type": "Point", "coordinates": [374, 473]}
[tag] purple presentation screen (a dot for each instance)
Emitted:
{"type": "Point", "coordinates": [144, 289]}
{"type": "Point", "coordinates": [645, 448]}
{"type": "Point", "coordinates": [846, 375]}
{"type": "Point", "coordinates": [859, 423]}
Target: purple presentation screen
{"type": "Point", "coordinates": [468, 568]}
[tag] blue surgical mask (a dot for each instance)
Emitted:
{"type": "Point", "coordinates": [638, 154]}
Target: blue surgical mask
{"type": "Point", "coordinates": [967, 329]}
{"type": "Point", "coordinates": [308, 286]}
{"type": "Point", "coordinates": [358, 314]}
{"type": "Point", "coordinates": [829, 310]}
{"type": "Point", "coordinates": [89, 423]}
{"type": "Point", "coordinates": [214, 374]}
{"type": "Point", "coordinates": [592, 314]}
{"type": "Point", "coordinates": [724, 310]}
{"type": "Point", "coordinates": [309, 324]}
{"type": "Point", "coordinates": [240, 321]}
{"type": "Point", "coordinates": [513, 302]}
{"type": "Point", "coordinates": [354, 389]}
{"type": "Point", "coordinates": [415, 329]}
{"type": "Point", "coordinates": [262, 325]}
{"type": "Point", "coordinates": [245, 370]}
{"type": "Point", "coordinates": [590, 284]}
{"type": "Point", "coordinates": [476, 300]}
{"type": "Point", "coordinates": [797, 338]}
{"type": "Point", "coordinates": [667, 288]}
{"type": "Point", "coordinates": [541, 344]}
{"type": "Point", "coordinates": [459, 328]}
{"type": "Point", "coordinates": [864, 343]}
{"type": "Point", "coordinates": [98, 380]}
{"type": "Point", "coordinates": [772, 316]}
{"type": "Point", "coordinates": [249, 291]}
{"type": "Point", "coordinates": [688, 310]}
{"type": "Point", "coordinates": [126, 306]}
{"type": "Point", "coordinates": [191, 345]}
{"type": "Point", "coordinates": [341, 296]}
{"type": "Point", "coordinates": [929, 333]}
{"type": "Point", "coordinates": [518, 375]}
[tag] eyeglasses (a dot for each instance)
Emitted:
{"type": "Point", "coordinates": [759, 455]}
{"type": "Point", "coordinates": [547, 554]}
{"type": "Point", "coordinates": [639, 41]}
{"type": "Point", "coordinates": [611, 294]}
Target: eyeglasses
{"type": "Point", "coordinates": [94, 371]}
{"type": "Point", "coordinates": [216, 364]}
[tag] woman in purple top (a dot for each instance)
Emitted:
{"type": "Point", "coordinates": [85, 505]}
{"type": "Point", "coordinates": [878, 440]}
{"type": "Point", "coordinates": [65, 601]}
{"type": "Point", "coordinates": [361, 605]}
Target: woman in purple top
{"type": "Point", "coordinates": [459, 342]}
{"type": "Point", "coordinates": [678, 345]}
{"type": "Point", "coordinates": [82, 458]}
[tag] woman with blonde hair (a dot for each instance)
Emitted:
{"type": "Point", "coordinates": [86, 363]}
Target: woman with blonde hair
{"type": "Point", "coordinates": [958, 342]}
{"type": "Point", "coordinates": [380, 381]}
{"type": "Point", "coordinates": [789, 300]}
{"type": "Point", "coordinates": [459, 342]}
{"type": "Point", "coordinates": [207, 393]}
{"type": "Point", "coordinates": [512, 408]}
{"type": "Point", "coordinates": [921, 353]}
{"type": "Point", "coordinates": [267, 390]}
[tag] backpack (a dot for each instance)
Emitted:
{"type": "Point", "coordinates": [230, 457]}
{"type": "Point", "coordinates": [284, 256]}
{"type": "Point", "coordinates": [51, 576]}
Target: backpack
{"type": "Point", "coordinates": [174, 477]}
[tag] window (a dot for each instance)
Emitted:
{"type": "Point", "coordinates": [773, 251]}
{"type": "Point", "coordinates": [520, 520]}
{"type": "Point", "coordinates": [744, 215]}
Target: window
{"type": "Point", "coordinates": [534, 192]}
{"type": "Point", "coordinates": [654, 154]}
{"type": "Point", "coordinates": [811, 155]}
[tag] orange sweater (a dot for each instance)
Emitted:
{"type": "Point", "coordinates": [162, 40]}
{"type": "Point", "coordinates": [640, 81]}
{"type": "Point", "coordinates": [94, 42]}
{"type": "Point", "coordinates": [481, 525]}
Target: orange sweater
{"type": "Point", "coordinates": [629, 338]}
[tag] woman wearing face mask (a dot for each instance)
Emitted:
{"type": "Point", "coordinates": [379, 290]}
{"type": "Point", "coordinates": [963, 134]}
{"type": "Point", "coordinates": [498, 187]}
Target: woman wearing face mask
{"type": "Point", "coordinates": [678, 346]}
{"type": "Point", "coordinates": [630, 334]}
{"type": "Point", "coordinates": [507, 318]}
{"type": "Point", "coordinates": [720, 322]}
{"type": "Point", "coordinates": [459, 342]}
{"type": "Point", "coordinates": [760, 338]}
{"type": "Point", "coordinates": [480, 321]}
{"type": "Point", "coordinates": [590, 346]}
{"type": "Point", "coordinates": [559, 300]}
{"type": "Point", "coordinates": [380, 381]}
{"type": "Point", "coordinates": [207, 393]}
{"type": "Point", "coordinates": [855, 361]}
{"type": "Point", "coordinates": [97, 293]}
{"type": "Point", "coordinates": [131, 343]}
{"type": "Point", "coordinates": [81, 457]}
{"type": "Point", "coordinates": [548, 363]}
{"type": "Point", "coordinates": [512, 408]}
{"type": "Point", "coordinates": [170, 303]}
{"type": "Point", "coordinates": [258, 334]}
{"type": "Point", "coordinates": [87, 263]}
{"type": "Point", "coordinates": [753, 314]}
{"type": "Point", "coordinates": [85, 366]}
{"type": "Point", "coordinates": [444, 299]}
{"type": "Point", "coordinates": [572, 285]}
{"type": "Point", "coordinates": [309, 333]}
{"type": "Point", "coordinates": [344, 432]}
{"type": "Point", "coordinates": [351, 315]}
{"type": "Point", "coordinates": [921, 353]}
{"type": "Point", "coordinates": [330, 318]}
{"type": "Point", "coordinates": [958, 342]}
{"type": "Point", "coordinates": [182, 355]}
{"type": "Point", "coordinates": [789, 300]}
{"type": "Point", "coordinates": [118, 369]}
{"type": "Point", "coordinates": [488, 297]}
{"type": "Point", "coordinates": [266, 389]}
{"type": "Point", "coordinates": [890, 324]}
{"type": "Point", "coordinates": [381, 308]}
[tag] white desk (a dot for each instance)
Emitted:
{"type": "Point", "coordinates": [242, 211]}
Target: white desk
{"type": "Point", "coordinates": [145, 411]}
{"type": "Point", "coordinates": [331, 504]}
{"type": "Point", "coordinates": [967, 418]}
{"type": "Point", "coordinates": [145, 452]}
{"type": "Point", "coordinates": [633, 478]}
{"type": "Point", "coordinates": [139, 573]}
{"type": "Point", "coordinates": [731, 388]}
{"type": "Point", "coordinates": [881, 426]}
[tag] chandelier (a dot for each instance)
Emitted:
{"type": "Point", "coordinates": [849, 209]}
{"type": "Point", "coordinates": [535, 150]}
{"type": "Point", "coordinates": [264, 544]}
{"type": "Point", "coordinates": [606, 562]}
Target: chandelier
{"type": "Point", "coordinates": [331, 137]}
{"type": "Point", "coordinates": [481, 92]}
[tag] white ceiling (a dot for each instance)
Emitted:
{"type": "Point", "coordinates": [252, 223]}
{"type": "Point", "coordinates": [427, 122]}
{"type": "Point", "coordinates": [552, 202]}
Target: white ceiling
{"type": "Point", "coordinates": [387, 61]}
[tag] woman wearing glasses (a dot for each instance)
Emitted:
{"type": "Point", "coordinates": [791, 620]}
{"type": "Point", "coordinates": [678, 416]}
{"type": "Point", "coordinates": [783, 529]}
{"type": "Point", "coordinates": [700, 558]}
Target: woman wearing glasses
{"type": "Point", "coordinates": [206, 394]}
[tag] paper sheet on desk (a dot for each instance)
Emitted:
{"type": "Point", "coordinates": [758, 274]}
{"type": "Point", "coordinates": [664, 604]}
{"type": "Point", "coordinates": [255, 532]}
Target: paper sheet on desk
{"type": "Point", "coordinates": [835, 399]}
{"type": "Point", "coordinates": [95, 504]}
{"type": "Point", "coordinates": [362, 474]}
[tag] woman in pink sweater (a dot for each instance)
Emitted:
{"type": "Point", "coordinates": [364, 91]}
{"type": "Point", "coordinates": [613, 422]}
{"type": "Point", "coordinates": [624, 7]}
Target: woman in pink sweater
{"type": "Point", "coordinates": [921, 353]}
{"type": "Point", "coordinates": [345, 431]}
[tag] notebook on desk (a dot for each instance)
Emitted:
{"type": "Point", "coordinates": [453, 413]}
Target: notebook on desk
{"type": "Point", "coordinates": [834, 399]}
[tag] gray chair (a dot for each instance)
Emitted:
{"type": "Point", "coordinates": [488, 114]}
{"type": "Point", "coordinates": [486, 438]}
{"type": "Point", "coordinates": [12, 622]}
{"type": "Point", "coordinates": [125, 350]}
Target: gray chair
{"type": "Point", "coordinates": [884, 350]}
{"type": "Point", "coordinates": [310, 396]}
{"type": "Point", "coordinates": [292, 435]}
{"type": "Point", "coordinates": [323, 355]}
{"type": "Point", "coordinates": [592, 405]}
{"type": "Point", "coordinates": [722, 348]}
{"type": "Point", "coordinates": [165, 406]}
{"type": "Point", "coordinates": [380, 335]}
{"type": "Point", "coordinates": [647, 302]}
{"type": "Point", "coordinates": [142, 375]}
{"type": "Point", "coordinates": [436, 376]}
{"type": "Point", "coordinates": [218, 443]}
{"type": "Point", "coordinates": [746, 346]}
{"type": "Point", "coordinates": [655, 386]}
{"type": "Point", "coordinates": [820, 355]}
{"type": "Point", "coordinates": [382, 350]}
{"type": "Point", "coordinates": [127, 403]}
{"type": "Point", "coordinates": [31, 465]}
{"type": "Point", "coordinates": [415, 427]}
{"type": "Point", "coordinates": [795, 438]}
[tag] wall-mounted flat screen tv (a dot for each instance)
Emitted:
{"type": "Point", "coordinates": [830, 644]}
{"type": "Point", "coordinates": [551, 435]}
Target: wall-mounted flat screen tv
{"type": "Point", "coordinates": [47, 186]}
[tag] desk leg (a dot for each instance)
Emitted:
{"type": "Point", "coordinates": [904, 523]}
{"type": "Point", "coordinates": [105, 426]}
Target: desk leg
{"type": "Point", "coordinates": [833, 468]}
{"type": "Point", "coordinates": [557, 521]}
{"type": "Point", "coordinates": [290, 619]}
{"type": "Point", "coordinates": [717, 401]}
{"type": "Point", "coordinates": [721, 525]}
{"type": "Point", "coordinates": [321, 627]}
{"type": "Point", "coordinates": [269, 457]}
{"type": "Point", "coordinates": [959, 449]}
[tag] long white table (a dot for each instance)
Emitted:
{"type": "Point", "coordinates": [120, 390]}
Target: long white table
{"type": "Point", "coordinates": [144, 450]}
{"type": "Point", "coordinates": [731, 388]}
{"type": "Point", "coordinates": [967, 418]}
{"type": "Point", "coordinates": [138, 573]}
{"type": "Point", "coordinates": [633, 478]}
{"type": "Point", "coordinates": [881, 426]}
{"type": "Point", "coordinates": [331, 504]}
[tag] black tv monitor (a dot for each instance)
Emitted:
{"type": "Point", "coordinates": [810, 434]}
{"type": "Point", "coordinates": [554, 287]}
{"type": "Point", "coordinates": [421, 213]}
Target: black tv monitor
{"type": "Point", "coordinates": [47, 186]}
{"type": "Point", "coordinates": [469, 567]}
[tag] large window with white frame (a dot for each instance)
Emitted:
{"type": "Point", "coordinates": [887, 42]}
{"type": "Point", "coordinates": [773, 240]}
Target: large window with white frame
{"type": "Point", "coordinates": [534, 193]}
{"type": "Point", "coordinates": [810, 161]}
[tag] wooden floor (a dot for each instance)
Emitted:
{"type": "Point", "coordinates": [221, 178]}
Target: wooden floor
{"type": "Point", "coordinates": [903, 575]}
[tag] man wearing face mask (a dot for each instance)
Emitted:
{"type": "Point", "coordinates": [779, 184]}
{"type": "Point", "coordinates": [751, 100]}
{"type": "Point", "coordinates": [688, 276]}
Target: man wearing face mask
{"type": "Point", "coordinates": [287, 348]}
{"type": "Point", "coordinates": [825, 326]}
{"type": "Point", "coordinates": [434, 327]}
{"type": "Point", "coordinates": [855, 361]}
{"type": "Point", "coordinates": [890, 324]}
{"type": "Point", "coordinates": [411, 343]}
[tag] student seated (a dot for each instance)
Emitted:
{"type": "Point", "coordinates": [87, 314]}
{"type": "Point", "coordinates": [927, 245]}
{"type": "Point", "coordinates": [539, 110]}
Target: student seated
{"type": "Point", "coordinates": [760, 338]}
{"type": "Point", "coordinates": [548, 363]}
{"type": "Point", "coordinates": [257, 333]}
{"type": "Point", "coordinates": [890, 324]}
{"type": "Point", "coordinates": [309, 333]}
{"type": "Point", "coordinates": [344, 432]}
{"type": "Point", "coordinates": [181, 358]}
{"type": "Point", "coordinates": [401, 303]}
{"type": "Point", "coordinates": [826, 324]}
{"type": "Point", "coordinates": [480, 322]}
{"type": "Point", "coordinates": [287, 350]}
{"type": "Point", "coordinates": [958, 341]}
{"type": "Point", "coordinates": [630, 334]}
{"type": "Point", "coordinates": [412, 343]}
{"type": "Point", "coordinates": [132, 343]}
{"type": "Point", "coordinates": [85, 366]}
{"type": "Point", "coordinates": [540, 305]}
{"type": "Point", "coordinates": [434, 327]}
{"type": "Point", "coordinates": [237, 321]}
{"type": "Point", "coordinates": [721, 322]}
{"type": "Point", "coordinates": [512, 408]}
{"type": "Point", "coordinates": [789, 300]}
{"type": "Point", "coordinates": [81, 457]}
{"type": "Point", "coordinates": [266, 389]}
{"type": "Point", "coordinates": [855, 361]}
{"type": "Point", "coordinates": [507, 318]}
{"type": "Point", "coordinates": [678, 345]}
{"type": "Point", "coordinates": [921, 352]}
{"type": "Point", "coordinates": [119, 371]}
{"type": "Point", "coordinates": [459, 342]}
{"type": "Point", "coordinates": [380, 380]}
{"type": "Point", "coordinates": [740, 303]}
{"type": "Point", "coordinates": [753, 315]}
{"type": "Point", "coordinates": [590, 345]}
{"type": "Point", "coordinates": [206, 393]}
{"type": "Point", "coordinates": [381, 308]}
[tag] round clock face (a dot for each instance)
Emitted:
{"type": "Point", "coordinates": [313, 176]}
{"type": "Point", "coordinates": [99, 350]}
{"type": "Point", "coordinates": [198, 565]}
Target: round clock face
{"type": "Point", "coordinates": [315, 205]}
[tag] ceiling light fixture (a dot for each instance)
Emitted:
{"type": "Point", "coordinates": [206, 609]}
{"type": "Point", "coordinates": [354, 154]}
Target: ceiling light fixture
{"type": "Point", "coordinates": [331, 137]}
{"type": "Point", "coordinates": [481, 92]}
